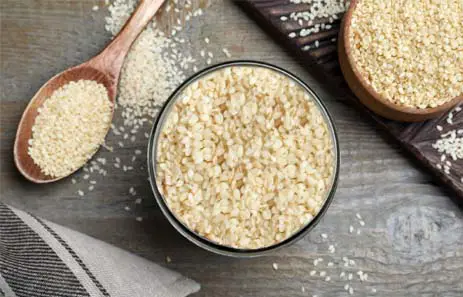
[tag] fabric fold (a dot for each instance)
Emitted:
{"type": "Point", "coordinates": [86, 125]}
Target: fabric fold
{"type": "Point", "coordinates": [40, 258]}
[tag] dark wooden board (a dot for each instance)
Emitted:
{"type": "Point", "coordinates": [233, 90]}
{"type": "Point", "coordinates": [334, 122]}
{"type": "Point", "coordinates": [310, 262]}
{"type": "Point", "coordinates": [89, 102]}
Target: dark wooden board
{"type": "Point", "coordinates": [322, 60]}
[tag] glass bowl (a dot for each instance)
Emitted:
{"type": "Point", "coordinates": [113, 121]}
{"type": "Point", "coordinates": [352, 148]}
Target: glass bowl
{"type": "Point", "coordinates": [193, 236]}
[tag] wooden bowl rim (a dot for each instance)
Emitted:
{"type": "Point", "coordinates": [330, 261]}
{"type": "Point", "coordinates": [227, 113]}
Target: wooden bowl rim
{"type": "Point", "coordinates": [346, 26]}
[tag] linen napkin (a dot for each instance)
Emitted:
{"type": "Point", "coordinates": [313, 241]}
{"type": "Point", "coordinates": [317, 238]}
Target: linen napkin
{"type": "Point", "coordinates": [43, 259]}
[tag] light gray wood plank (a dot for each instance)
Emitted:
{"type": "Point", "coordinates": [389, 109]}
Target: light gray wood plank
{"type": "Point", "coordinates": [411, 245]}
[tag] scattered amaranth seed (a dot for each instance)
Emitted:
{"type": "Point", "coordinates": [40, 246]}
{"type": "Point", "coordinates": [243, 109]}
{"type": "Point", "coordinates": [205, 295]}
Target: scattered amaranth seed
{"type": "Point", "coordinates": [226, 52]}
{"type": "Point", "coordinates": [331, 249]}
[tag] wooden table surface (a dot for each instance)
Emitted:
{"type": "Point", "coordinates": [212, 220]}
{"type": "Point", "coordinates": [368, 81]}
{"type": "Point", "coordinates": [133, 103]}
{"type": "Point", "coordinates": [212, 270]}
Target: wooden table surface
{"type": "Point", "coordinates": [412, 241]}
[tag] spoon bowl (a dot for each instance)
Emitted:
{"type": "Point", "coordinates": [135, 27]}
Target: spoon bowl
{"type": "Point", "coordinates": [23, 160]}
{"type": "Point", "coordinates": [103, 68]}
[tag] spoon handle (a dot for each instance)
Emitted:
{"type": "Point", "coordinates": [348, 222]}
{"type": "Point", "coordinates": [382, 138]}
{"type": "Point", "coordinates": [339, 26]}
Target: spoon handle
{"type": "Point", "coordinates": [111, 58]}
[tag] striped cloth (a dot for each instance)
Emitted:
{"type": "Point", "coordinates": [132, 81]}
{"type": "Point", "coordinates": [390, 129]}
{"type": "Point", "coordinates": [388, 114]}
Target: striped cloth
{"type": "Point", "coordinates": [42, 259]}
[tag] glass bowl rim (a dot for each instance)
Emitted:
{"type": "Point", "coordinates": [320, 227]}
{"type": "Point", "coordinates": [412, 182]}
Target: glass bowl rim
{"type": "Point", "coordinates": [191, 235]}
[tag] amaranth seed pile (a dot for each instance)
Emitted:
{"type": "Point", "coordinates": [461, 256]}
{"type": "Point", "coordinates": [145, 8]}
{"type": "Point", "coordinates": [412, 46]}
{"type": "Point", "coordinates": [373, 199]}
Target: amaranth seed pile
{"type": "Point", "coordinates": [148, 77]}
{"type": "Point", "coordinates": [155, 65]}
{"type": "Point", "coordinates": [245, 157]}
{"type": "Point", "coordinates": [70, 127]}
{"type": "Point", "coordinates": [410, 51]}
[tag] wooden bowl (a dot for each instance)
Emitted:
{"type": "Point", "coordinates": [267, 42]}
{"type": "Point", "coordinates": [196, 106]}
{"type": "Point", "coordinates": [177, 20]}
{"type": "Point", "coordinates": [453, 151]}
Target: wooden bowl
{"type": "Point", "coordinates": [367, 95]}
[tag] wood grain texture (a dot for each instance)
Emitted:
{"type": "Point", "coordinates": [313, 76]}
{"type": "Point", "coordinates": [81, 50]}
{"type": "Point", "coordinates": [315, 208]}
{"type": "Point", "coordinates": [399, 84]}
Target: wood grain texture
{"type": "Point", "coordinates": [323, 61]}
{"type": "Point", "coordinates": [411, 245]}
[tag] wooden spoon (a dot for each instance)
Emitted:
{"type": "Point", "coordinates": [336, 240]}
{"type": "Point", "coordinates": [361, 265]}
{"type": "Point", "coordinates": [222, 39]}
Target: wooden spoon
{"type": "Point", "coordinates": [103, 68]}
